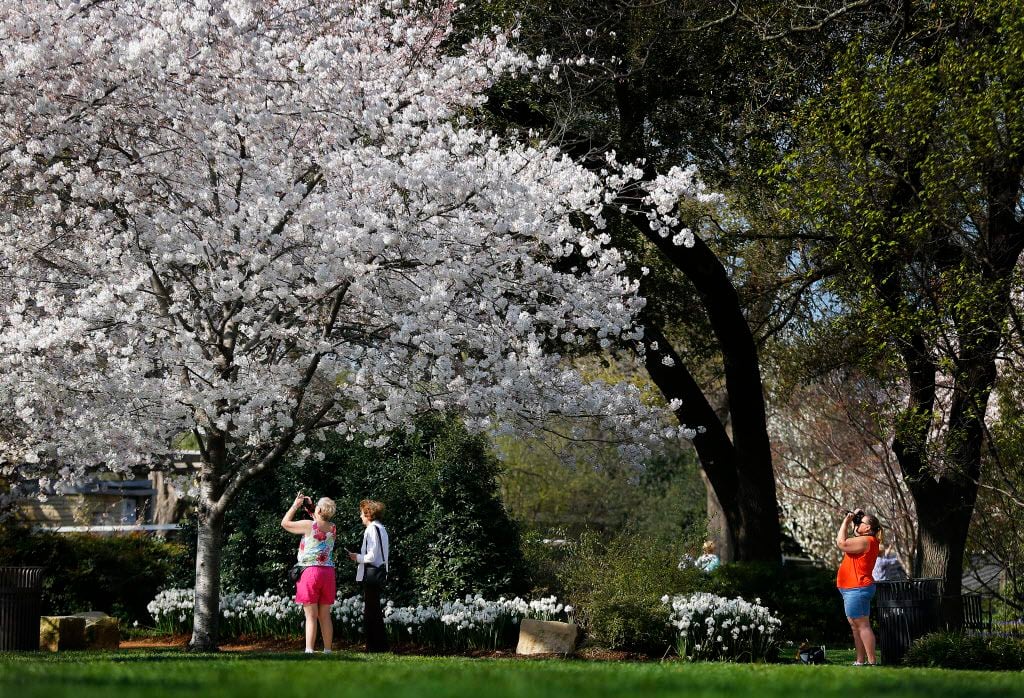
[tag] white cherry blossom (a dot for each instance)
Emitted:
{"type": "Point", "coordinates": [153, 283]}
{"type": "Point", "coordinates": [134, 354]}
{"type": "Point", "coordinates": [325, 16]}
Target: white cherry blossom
{"type": "Point", "coordinates": [253, 222]}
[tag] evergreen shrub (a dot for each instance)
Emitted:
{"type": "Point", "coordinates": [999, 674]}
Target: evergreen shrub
{"type": "Point", "coordinates": [118, 575]}
{"type": "Point", "coordinates": [617, 588]}
{"type": "Point", "coordinates": [950, 650]}
{"type": "Point", "coordinates": [449, 530]}
{"type": "Point", "coordinates": [803, 597]}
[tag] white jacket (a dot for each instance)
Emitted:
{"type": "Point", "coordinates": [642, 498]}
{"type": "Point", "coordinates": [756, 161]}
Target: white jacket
{"type": "Point", "coordinates": [369, 554]}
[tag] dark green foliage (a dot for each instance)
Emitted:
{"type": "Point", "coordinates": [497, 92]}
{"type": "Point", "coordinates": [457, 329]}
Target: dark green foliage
{"type": "Point", "coordinates": [960, 651]}
{"type": "Point", "coordinates": [804, 598]}
{"type": "Point", "coordinates": [118, 575]}
{"type": "Point", "coordinates": [616, 589]}
{"type": "Point", "coordinates": [617, 592]}
{"type": "Point", "coordinates": [594, 490]}
{"type": "Point", "coordinates": [450, 533]}
{"type": "Point", "coordinates": [546, 563]}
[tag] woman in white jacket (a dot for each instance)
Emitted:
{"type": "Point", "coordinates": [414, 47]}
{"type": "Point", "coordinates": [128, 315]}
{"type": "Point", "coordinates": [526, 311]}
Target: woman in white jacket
{"type": "Point", "coordinates": [374, 553]}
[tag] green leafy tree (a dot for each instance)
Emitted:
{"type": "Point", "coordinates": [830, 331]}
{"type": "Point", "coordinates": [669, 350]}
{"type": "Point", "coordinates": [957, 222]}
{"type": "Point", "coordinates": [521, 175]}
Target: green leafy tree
{"type": "Point", "coordinates": [599, 493]}
{"type": "Point", "coordinates": [907, 186]}
{"type": "Point", "coordinates": [997, 531]}
{"type": "Point", "coordinates": [675, 84]}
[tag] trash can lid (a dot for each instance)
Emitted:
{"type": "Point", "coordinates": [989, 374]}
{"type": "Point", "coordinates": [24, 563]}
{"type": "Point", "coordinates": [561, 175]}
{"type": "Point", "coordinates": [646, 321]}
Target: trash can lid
{"type": "Point", "coordinates": [21, 577]}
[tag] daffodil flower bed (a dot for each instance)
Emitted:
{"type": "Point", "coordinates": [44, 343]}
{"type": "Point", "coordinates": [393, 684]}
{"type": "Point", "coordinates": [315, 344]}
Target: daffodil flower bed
{"type": "Point", "coordinates": [472, 622]}
{"type": "Point", "coordinates": [710, 627]}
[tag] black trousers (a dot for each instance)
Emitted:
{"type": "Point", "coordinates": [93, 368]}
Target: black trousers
{"type": "Point", "coordinates": [373, 620]}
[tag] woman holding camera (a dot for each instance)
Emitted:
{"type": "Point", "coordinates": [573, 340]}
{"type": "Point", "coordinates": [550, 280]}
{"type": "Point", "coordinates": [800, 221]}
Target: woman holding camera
{"type": "Point", "coordinates": [854, 579]}
{"type": "Point", "coordinates": [316, 588]}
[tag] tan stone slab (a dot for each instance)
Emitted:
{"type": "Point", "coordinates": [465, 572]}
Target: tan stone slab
{"type": "Point", "coordinates": [546, 637]}
{"type": "Point", "coordinates": [102, 632]}
{"type": "Point", "coordinates": [61, 633]}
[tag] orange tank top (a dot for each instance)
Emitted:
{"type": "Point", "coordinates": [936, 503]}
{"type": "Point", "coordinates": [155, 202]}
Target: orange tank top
{"type": "Point", "coordinates": [855, 570]}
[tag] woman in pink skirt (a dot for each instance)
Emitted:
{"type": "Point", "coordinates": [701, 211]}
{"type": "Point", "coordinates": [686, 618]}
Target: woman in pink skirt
{"type": "Point", "coordinates": [315, 589]}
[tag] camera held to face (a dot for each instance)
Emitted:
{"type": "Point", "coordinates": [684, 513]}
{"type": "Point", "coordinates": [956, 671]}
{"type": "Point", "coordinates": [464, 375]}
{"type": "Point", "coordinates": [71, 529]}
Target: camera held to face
{"type": "Point", "coordinates": [858, 516]}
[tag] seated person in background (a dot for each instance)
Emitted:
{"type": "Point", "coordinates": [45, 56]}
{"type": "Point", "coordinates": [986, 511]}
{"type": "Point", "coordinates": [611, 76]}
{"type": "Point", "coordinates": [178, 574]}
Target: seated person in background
{"type": "Point", "coordinates": [888, 567]}
{"type": "Point", "coordinates": [708, 562]}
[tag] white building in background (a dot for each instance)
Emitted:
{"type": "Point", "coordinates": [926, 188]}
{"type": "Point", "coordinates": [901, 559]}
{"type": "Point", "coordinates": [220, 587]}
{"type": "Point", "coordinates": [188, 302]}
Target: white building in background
{"type": "Point", "coordinates": [112, 505]}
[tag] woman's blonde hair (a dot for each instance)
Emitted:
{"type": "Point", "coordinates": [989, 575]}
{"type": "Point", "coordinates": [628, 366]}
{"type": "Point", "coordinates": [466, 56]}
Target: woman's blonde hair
{"type": "Point", "coordinates": [372, 508]}
{"type": "Point", "coordinates": [709, 546]}
{"type": "Point", "coordinates": [326, 507]}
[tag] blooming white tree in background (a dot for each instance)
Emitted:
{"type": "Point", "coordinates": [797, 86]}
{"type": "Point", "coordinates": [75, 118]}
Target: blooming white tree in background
{"type": "Point", "coordinates": [833, 453]}
{"type": "Point", "coordinates": [253, 222]}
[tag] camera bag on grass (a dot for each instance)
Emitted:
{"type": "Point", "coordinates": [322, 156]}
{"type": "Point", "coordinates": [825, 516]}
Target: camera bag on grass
{"type": "Point", "coordinates": [811, 655]}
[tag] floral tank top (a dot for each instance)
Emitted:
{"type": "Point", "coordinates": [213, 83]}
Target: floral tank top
{"type": "Point", "coordinates": [317, 547]}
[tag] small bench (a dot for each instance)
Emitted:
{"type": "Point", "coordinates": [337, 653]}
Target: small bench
{"type": "Point", "coordinates": [977, 613]}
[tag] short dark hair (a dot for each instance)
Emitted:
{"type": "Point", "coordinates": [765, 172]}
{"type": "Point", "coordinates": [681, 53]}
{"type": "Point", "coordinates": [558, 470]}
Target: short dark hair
{"type": "Point", "coordinates": [872, 521]}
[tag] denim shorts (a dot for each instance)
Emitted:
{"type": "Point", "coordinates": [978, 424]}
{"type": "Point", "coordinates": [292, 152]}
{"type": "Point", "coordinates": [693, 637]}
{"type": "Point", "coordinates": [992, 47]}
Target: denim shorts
{"type": "Point", "coordinates": [857, 601]}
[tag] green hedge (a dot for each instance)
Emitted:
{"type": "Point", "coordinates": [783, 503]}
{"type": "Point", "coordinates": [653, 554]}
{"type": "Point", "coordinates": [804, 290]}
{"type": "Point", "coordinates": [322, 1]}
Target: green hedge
{"type": "Point", "coordinates": [450, 532]}
{"type": "Point", "coordinates": [118, 575]}
{"type": "Point", "coordinates": [616, 589]}
{"type": "Point", "coordinates": [961, 651]}
{"type": "Point", "coordinates": [803, 597]}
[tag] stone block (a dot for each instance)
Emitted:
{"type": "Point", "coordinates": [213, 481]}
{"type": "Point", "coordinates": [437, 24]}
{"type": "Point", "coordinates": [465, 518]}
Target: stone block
{"type": "Point", "coordinates": [101, 631]}
{"type": "Point", "coordinates": [61, 633]}
{"type": "Point", "coordinates": [546, 637]}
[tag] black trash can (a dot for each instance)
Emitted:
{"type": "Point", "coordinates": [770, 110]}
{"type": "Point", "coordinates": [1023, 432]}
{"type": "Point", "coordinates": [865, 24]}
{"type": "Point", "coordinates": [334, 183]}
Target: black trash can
{"type": "Point", "coordinates": [21, 592]}
{"type": "Point", "coordinates": [907, 609]}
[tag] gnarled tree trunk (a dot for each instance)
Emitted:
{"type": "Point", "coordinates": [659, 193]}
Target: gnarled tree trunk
{"type": "Point", "coordinates": [739, 467]}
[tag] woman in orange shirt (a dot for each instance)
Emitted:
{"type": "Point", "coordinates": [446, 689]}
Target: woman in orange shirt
{"type": "Point", "coordinates": [854, 579]}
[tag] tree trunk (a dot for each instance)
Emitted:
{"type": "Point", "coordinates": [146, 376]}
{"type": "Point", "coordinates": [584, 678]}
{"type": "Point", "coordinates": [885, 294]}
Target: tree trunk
{"type": "Point", "coordinates": [168, 505]}
{"type": "Point", "coordinates": [739, 468]}
{"type": "Point", "coordinates": [210, 537]}
{"type": "Point", "coordinates": [942, 542]}
{"type": "Point", "coordinates": [740, 474]}
{"type": "Point", "coordinates": [719, 531]}
{"type": "Point", "coordinates": [945, 501]}
{"type": "Point", "coordinates": [207, 589]}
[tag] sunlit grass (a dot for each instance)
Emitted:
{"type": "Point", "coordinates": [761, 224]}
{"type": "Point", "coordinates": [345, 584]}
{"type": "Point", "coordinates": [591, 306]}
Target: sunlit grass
{"type": "Point", "coordinates": [175, 673]}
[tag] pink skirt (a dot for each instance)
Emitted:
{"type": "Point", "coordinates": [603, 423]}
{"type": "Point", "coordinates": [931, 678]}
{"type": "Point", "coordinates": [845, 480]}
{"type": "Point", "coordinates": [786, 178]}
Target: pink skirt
{"type": "Point", "coordinates": [316, 585]}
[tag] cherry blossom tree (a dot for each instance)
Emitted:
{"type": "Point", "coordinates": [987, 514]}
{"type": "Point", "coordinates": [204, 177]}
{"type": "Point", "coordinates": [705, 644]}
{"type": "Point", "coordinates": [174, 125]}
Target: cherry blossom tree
{"type": "Point", "coordinates": [254, 222]}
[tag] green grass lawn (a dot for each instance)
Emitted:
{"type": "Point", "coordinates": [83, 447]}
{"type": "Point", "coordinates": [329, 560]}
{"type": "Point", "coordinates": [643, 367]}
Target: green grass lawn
{"type": "Point", "coordinates": [159, 673]}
